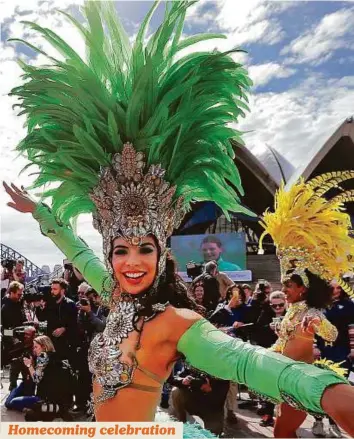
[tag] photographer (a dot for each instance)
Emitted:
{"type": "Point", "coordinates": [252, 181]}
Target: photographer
{"type": "Point", "coordinates": [91, 320]}
{"type": "Point", "coordinates": [52, 380]}
{"type": "Point", "coordinates": [199, 394]}
{"type": "Point", "coordinates": [194, 270]}
{"type": "Point", "coordinates": [31, 301]}
{"type": "Point", "coordinates": [233, 314]}
{"type": "Point", "coordinates": [210, 284]}
{"type": "Point", "coordinates": [81, 291]}
{"type": "Point", "coordinates": [13, 270]}
{"type": "Point", "coordinates": [61, 316]}
{"type": "Point", "coordinates": [74, 278]}
{"type": "Point", "coordinates": [21, 349]}
{"type": "Point", "coordinates": [23, 395]}
{"type": "Point", "coordinates": [265, 335]}
{"type": "Point", "coordinates": [260, 300]}
{"type": "Point", "coordinates": [4, 276]}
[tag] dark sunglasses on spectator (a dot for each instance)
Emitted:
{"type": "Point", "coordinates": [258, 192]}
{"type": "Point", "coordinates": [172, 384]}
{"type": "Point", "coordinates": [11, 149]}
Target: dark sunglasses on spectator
{"type": "Point", "coordinates": [278, 305]}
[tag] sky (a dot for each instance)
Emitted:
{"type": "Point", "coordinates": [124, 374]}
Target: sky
{"type": "Point", "coordinates": [300, 56]}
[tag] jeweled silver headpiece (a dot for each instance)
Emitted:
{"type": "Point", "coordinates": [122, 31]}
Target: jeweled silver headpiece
{"type": "Point", "coordinates": [133, 204]}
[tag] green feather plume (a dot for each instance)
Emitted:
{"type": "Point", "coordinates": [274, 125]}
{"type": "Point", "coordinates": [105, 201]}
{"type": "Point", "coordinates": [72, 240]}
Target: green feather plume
{"type": "Point", "coordinates": [177, 110]}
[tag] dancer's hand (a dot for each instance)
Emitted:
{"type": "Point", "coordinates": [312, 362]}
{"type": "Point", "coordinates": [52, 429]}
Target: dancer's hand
{"type": "Point", "coordinates": [310, 325]}
{"type": "Point", "coordinates": [20, 199]}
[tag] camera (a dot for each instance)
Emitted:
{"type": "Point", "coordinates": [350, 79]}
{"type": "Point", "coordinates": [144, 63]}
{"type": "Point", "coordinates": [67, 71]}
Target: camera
{"type": "Point", "coordinates": [8, 264]}
{"type": "Point", "coordinates": [12, 344]}
{"type": "Point", "coordinates": [194, 270]}
{"type": "Point", "coordinates": [67, 264]}
{"type": "Point", "coordinates": [197, 381]}
{"type": "Point", "coordinates": [84, 302]}
{"type": "Point", "coordinates": [32, 295]}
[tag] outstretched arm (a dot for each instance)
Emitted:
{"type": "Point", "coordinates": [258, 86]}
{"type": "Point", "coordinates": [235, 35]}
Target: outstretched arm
{"type": "Point", "coordinates": [267, 373]}
{"type": "Point", "coordinates": [74, 248]}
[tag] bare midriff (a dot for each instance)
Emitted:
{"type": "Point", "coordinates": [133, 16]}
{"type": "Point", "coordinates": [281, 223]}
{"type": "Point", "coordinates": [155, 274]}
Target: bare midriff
{"type": "Point", "coordinates": [300, 347]}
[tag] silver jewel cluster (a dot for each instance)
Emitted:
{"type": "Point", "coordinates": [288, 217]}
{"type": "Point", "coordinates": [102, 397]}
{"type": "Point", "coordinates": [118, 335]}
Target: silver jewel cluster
{"type": "Point", "coordinates": [104, 354]}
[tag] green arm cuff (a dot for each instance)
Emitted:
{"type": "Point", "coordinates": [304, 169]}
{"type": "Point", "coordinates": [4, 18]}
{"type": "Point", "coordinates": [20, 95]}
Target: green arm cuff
{"type": "Point", "coordinates": [76, 250]}
{"type": "Point", "coordinates": [269, 374]}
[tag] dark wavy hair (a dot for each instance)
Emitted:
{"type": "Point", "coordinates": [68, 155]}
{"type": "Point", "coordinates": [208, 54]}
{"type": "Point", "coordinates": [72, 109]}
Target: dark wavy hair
{"type": "Point", "coordinates": [172, 288]}
{"type": "Point", "coordinates": [318, 294]}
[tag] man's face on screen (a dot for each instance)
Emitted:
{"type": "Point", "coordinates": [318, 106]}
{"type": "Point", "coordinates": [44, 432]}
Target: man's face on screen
{"type": "Point", "coordinates": [211, 251]}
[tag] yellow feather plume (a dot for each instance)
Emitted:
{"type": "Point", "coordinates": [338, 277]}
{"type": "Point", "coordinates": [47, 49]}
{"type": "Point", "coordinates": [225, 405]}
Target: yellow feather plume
{"type": "Point", "coordinates": [323, 363]}
{"type": "Point", "coordinates": [310, 231]}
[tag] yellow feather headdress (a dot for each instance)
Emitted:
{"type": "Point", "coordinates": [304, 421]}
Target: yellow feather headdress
{"type": "Point", "coordinates": [313, 232]}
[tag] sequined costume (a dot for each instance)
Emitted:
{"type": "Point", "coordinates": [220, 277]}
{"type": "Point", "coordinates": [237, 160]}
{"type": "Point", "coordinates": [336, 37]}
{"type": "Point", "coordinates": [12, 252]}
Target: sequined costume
{"type": "Point", "coordinates": [293, 319]}
{"type": "Point", "coordinates": [134, 136]}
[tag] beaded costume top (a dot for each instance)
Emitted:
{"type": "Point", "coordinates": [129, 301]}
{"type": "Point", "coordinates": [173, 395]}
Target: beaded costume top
{"type": "Point", "coordinates": [292, 320]}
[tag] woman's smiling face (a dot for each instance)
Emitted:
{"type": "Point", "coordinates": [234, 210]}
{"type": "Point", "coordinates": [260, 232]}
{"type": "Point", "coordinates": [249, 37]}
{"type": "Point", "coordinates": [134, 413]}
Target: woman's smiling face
{"type": "Point", "coordinates": [135, 266]}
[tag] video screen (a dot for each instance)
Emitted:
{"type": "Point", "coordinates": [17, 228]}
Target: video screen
{"type": "Point", "coordinates": [227, 249]}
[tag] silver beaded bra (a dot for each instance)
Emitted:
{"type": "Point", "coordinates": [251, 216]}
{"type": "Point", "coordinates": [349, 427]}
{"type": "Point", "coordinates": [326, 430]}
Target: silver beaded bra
{"type": "Point", "coordinates": [105, 353]}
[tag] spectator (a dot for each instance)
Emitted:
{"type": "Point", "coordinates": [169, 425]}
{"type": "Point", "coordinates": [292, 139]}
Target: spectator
{"type": "Point", "coordinates": [19, 274]}
{"type": "Point", "coordinates": [341, 314]}
{"type": "Point", "coordinates": [233, 313]}
{"type": "Point", "coordinates": [249, 293]}
{"type": "Point", "coordinates": [13, 271]}
{"type": "Point", "coordinates": [4, 277]}
{"type": "Point", "coordinates": [12, 313]}
{"type": "Point", "coordinates": [91, 320]}
{"type": "Point", "coordinates": [210, 284]}
{"type": "Point", "coordinates": [200, 394]}
{"type": "Point", "coordinates": [256, 305]}
{"type": "Point", "coordinates": [265, 336]}
{"type": "Point", "coordinates": [81, 291]}
{"type": "Point", "coordinates": [29, 307]}
{"type": "Point", "coordinates": [100, 311]}
{"type": "Point", "coordinates": [225, 283]}
{"type": "Point", "coordinates": [264, 330]}
{"type": "Point", "coordinates": [74, 278]}
{"type": "Point", "coordinates": [259, 300]}
{"type": "Point", "coordinates": [197, 294]}
{"type": "Point", "coordinates": [61, 315]}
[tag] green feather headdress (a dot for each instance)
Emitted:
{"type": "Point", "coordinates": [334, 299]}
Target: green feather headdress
{"type": "Point", "coordinates": [176, 110]}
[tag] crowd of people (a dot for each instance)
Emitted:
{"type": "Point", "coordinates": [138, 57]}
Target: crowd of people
{"type": "Point", "coordinates": [46, 334]}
